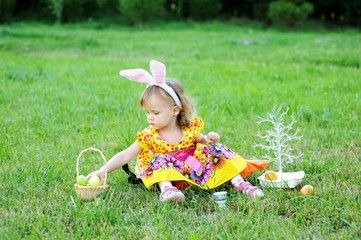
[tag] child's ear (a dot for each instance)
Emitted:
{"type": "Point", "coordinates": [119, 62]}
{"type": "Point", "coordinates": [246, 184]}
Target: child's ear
{"type": "Point", "coordinates": [176, 110]}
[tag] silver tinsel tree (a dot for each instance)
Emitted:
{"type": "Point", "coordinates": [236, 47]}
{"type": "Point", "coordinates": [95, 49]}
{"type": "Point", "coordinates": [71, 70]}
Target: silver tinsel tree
{"type": "Point", "coordinates": [278, 137]}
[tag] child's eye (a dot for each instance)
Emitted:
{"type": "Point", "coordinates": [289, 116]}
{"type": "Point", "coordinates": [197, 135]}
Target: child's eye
{"type": "Point", "coordinates": [156, 113]}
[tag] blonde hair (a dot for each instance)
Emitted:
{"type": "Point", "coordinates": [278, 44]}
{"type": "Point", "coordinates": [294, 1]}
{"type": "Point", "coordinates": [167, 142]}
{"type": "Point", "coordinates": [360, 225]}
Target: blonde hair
{"type": "Point", "coordinates": [186, 114]}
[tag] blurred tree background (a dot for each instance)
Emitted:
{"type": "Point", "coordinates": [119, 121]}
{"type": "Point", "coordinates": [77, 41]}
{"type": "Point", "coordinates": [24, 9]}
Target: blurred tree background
{"type": "Point", "coordinates": [289, 13]}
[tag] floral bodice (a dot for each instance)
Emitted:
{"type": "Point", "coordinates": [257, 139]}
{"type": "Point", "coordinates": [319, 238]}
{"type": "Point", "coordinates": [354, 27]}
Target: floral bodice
{"type": "Point", "coordinates": [153, 145]}
{"type": "Point", "coordinates": [150, 140]}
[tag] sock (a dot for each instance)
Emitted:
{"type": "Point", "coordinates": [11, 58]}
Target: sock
{"type": "Point", "coordinates": [237, 180]}
{"type": "Point", "coordinates": [164, 184]}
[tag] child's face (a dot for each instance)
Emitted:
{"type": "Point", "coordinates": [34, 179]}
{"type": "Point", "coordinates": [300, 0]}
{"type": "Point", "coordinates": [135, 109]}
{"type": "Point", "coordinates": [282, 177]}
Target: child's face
{"type": "Point", "coordinates": [160, 113]}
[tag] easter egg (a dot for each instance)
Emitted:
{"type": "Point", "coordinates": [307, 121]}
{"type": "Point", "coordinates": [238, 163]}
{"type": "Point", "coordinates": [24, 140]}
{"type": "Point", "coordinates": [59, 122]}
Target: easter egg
{"type": "Point", "coordinates": [270, 175]}
{"type": "Point", "coordinates": [307, 190]}
{"type": "Point", "coordinates": [81, 180]}
{"type": "Point", "coordinates": [94, 181]}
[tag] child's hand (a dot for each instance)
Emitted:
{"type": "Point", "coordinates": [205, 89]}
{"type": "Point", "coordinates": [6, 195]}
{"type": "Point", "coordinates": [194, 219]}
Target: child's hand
{"type": "Point", "coordinates": [100, 173]}
{"type": "Point", "coordinates": [212, 137]}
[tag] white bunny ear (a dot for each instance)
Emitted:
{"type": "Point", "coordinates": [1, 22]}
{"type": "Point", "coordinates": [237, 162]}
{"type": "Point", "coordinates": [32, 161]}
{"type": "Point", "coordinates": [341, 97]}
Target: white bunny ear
{"type": "Point", "coordinates": [158, 70]}
{"type": "Point", "coordinates": [138, 75]}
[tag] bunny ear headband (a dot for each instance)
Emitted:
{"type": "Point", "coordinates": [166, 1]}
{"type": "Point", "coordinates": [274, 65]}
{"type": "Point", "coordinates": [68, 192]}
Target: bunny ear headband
{"type": "Point", "coordinates": [157, 78]}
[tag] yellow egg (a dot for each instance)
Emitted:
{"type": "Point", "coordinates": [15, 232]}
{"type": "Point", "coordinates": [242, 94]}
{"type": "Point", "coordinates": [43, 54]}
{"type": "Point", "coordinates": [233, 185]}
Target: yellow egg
{"type": "Point", "coordinates": [270, 175]}
{"type": "Point", "coordinates": [307, 190]}
{"type": "Point", "coordinates": [94, 181]}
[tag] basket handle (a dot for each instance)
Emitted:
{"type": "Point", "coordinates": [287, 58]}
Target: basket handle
{"type": "Point", "coordinates": [101, 154]}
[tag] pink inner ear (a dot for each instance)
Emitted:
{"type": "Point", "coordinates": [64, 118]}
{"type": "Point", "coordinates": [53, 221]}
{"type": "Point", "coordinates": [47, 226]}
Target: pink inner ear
{"type": "Point", "coordinates": [158, 70]}
{"type": "Point", "coordinates": [138, 75]}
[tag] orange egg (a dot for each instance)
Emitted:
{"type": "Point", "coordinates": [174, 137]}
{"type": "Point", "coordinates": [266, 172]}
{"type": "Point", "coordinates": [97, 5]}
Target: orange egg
{"type": "Point", "coordinates": [307, 190]}
{"type": "Point", "coordinates": [270, 175]}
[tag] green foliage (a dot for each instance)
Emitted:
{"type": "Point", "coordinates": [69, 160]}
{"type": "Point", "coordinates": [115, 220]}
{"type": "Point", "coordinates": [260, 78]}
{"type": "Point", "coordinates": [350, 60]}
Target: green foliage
{"type": "Point", "coordinates": [139, 11]}
{"type": "Point", "coordinates": [73, 10]}
{"type": "Point", "coordinates": [259, 8]}
{"type": "Point", "coordinates": [288, 13]}
{"type": "Point", "coordinates": [61, 93]}
{"type": "Point", "coordinates": [57, 7]}
{"type": "Point", "coordinates": [202, 9]}
{"type": "Point", "coordinates": [108, 7]}
{"type": "Point", "coordinates": [6, 10]}
{"type": "Point", "coordinates": [338, 13]}
{"type": "Point", "coordinates": [335, 13]}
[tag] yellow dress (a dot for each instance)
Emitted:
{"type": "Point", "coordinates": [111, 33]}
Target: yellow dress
{"type": "Point", "coordinates": [186, 162]}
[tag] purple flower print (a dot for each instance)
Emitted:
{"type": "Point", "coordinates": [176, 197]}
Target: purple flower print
{"type": "Point", "coordinates": [141, 173]}
{"type": "Point", "coordinates": [155, 163]}
{"type": "Point", "coordinates": [208, 151]}
{"type": "Point", "coordinates": [219, 150]}
{"type": "Point", "coordinates": [228, 153]}
{"type": "Point", "coordinates": [201, 178]}
{"type": "Point", "coordinates": [146, 172]}
{"type": "Point", "coordinates": [166, 161]}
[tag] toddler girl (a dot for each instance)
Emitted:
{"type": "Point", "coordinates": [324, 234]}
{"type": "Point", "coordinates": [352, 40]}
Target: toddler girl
{"type": "Point", "coordinates": [172, 152]}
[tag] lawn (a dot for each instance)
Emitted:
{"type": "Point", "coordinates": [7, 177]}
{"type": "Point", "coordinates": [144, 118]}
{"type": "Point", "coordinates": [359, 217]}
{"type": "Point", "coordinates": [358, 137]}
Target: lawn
{"type": "Point", "coordinates": [61, 93]}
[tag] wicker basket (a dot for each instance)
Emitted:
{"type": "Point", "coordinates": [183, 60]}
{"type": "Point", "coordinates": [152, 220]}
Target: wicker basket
{"type": "Point", "coordinates": [90, 192]}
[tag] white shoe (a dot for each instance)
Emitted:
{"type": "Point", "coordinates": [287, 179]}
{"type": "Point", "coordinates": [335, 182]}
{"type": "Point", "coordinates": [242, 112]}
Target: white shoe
{"type": "Point", "coordinates": [171, 194]}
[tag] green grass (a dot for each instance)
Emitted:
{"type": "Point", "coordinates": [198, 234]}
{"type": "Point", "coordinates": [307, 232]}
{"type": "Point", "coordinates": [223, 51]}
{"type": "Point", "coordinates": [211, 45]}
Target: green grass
{"type": "Point", "coordinates": [61, 93]}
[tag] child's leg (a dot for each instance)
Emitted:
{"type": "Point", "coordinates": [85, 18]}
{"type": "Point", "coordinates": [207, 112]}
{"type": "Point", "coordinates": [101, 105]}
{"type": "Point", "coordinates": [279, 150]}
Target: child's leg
{"type": "Point", "coordinates": [246, 188]}
{"type": "Point", "coordinates": [170, 193]}
{"type": "Point", "coordinates": [164, 184]}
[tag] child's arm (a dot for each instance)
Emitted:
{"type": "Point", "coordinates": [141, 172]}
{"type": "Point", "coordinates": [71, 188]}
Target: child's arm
{"type": "Point", "coordinates": [118, 160]}
{"type": "Point", "coordinates": [211, 137]}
